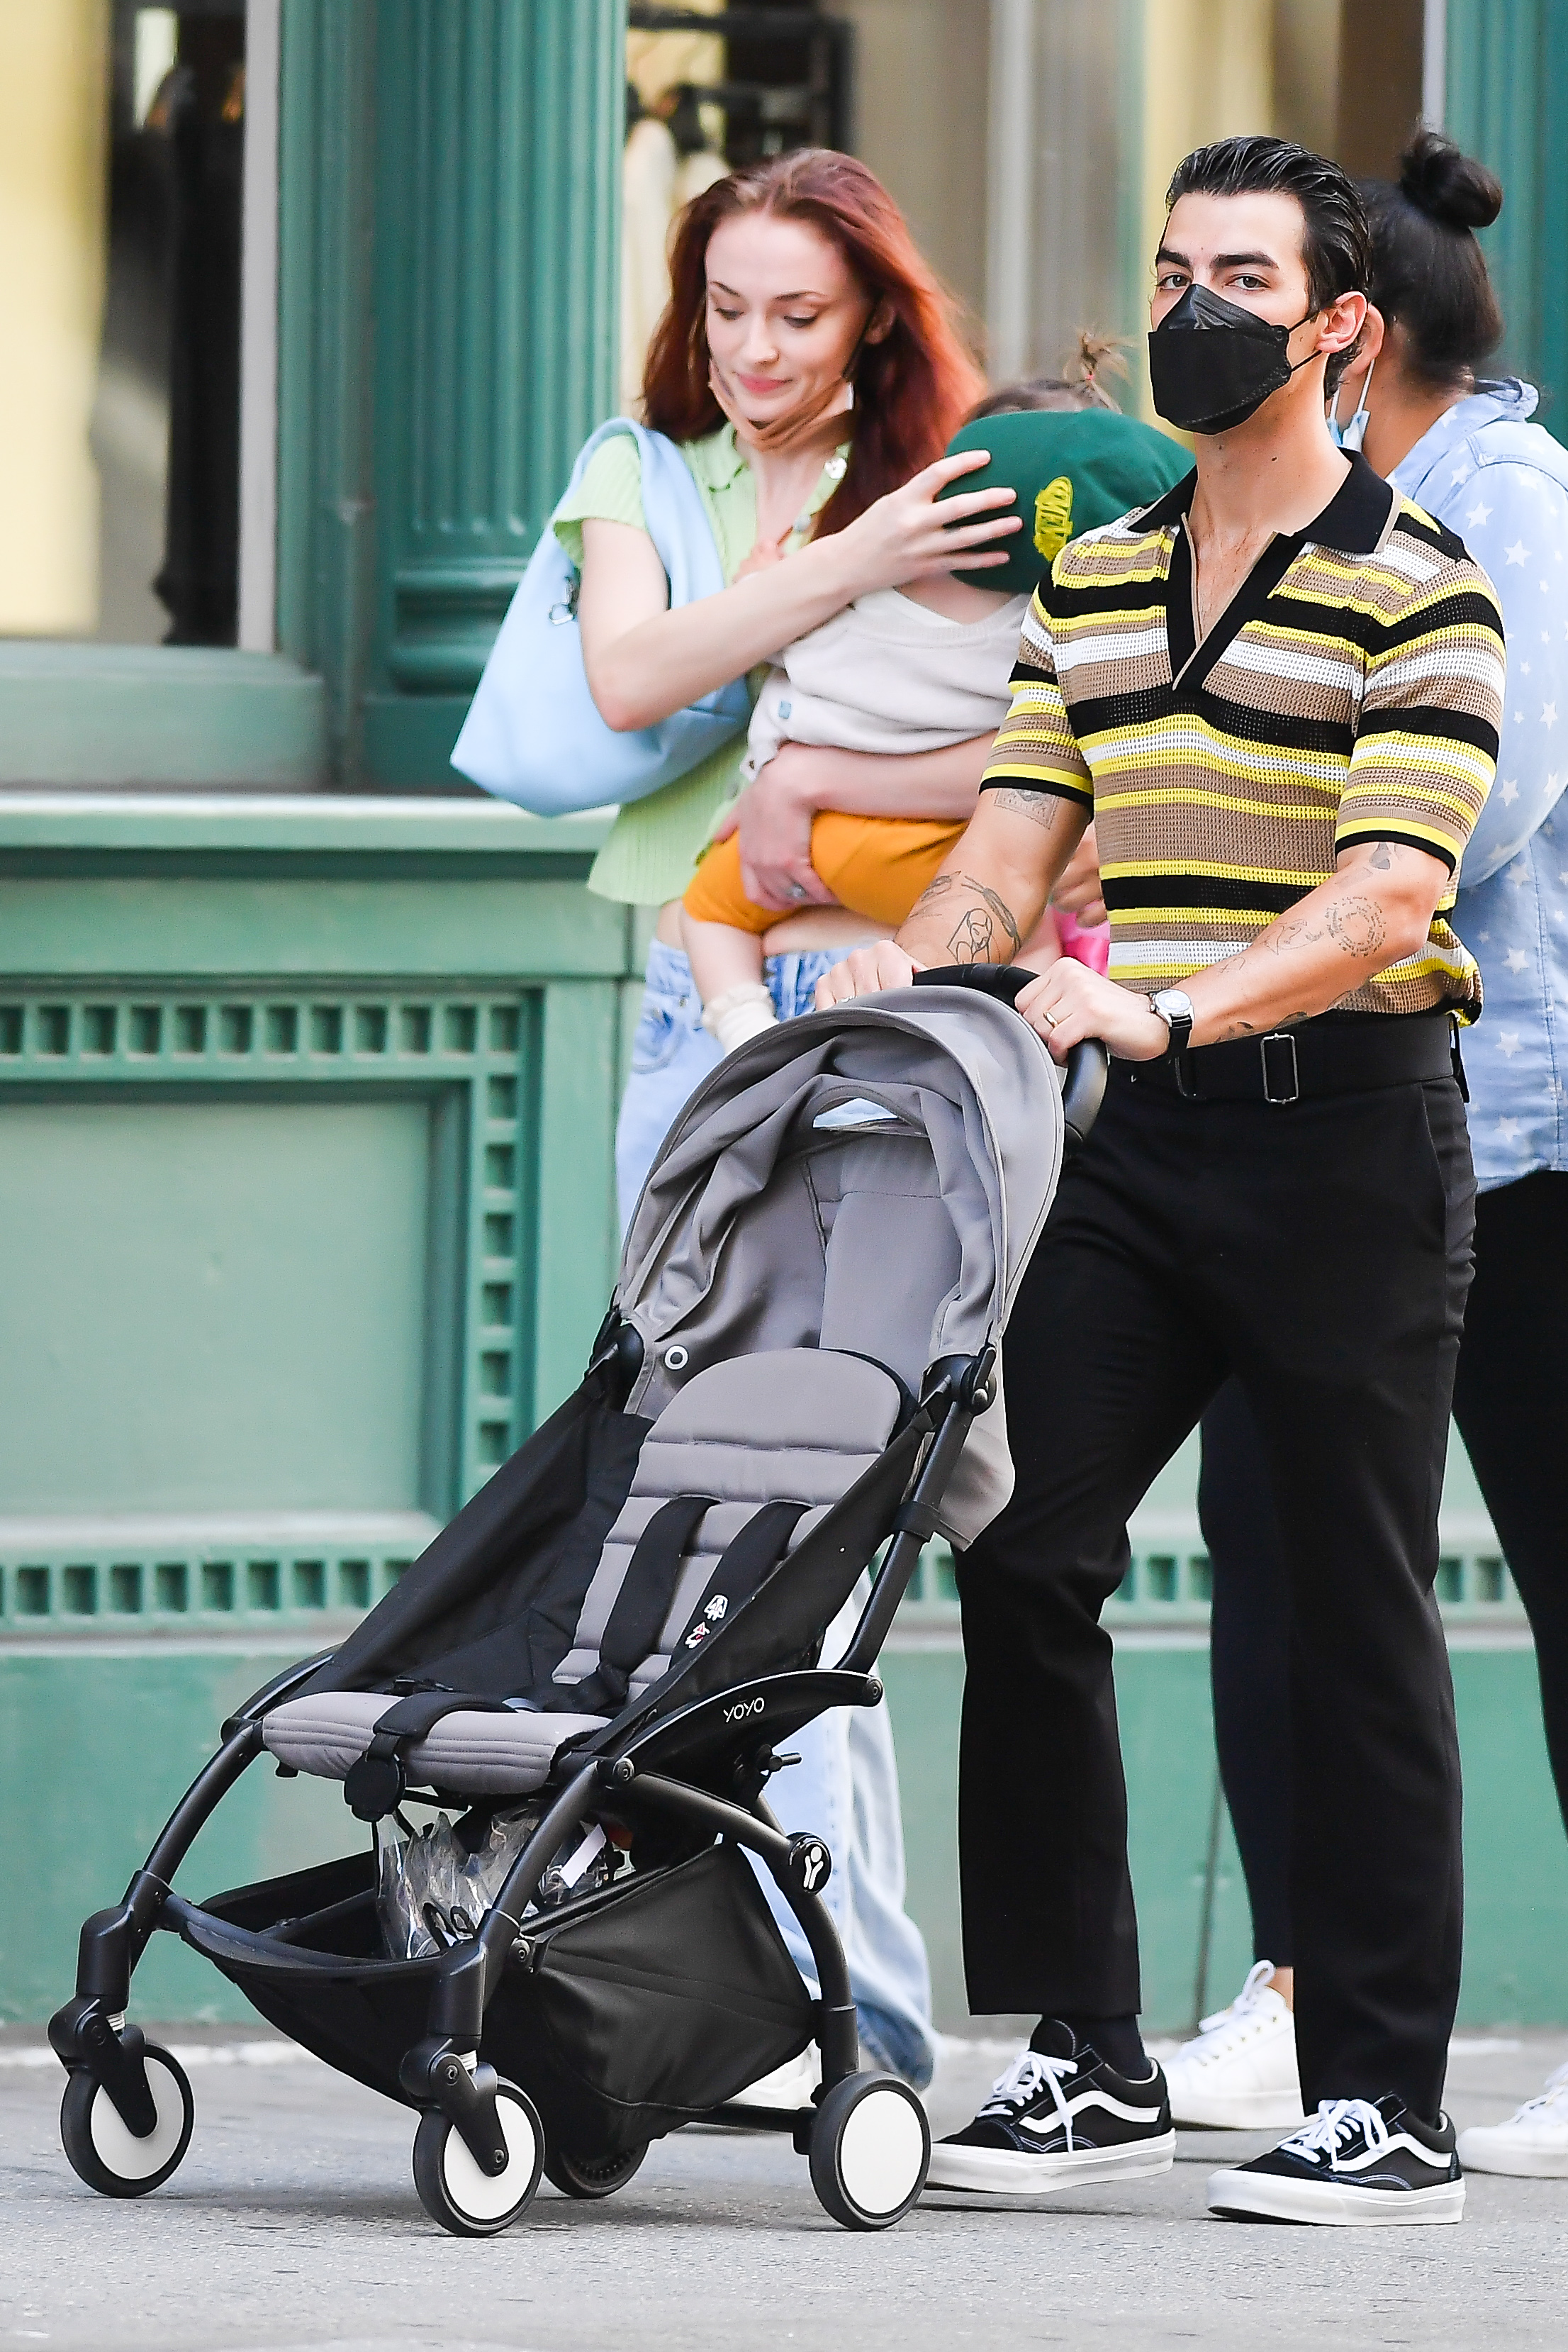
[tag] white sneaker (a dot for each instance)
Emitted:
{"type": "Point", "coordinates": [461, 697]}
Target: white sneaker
{"type": "Point", "coordinates": [1240, 2075]}
{"type": "Point", "coordinates": [1533, 2144]}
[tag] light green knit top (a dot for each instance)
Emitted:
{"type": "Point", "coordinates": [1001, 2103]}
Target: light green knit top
{"type": "Point", "coordinates": [654, 843]}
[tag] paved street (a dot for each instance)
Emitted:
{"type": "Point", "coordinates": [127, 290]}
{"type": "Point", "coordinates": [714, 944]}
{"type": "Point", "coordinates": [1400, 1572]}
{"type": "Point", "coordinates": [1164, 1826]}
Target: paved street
{"type": "Point", "coordinates": [293, 2223]}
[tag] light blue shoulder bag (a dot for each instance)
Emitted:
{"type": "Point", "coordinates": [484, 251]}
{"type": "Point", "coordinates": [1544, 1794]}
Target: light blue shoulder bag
{"type": "Point", "coordinates": [533, 733]}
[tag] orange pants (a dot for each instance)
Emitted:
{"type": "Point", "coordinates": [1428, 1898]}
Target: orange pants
{"type": "Point", "coordinates": [874, 866]}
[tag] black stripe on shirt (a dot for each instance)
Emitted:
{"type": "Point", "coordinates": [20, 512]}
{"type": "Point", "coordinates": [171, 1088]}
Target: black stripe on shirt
{"type": "Point", "coordinates": [1434, 536]}
{"type": "Point", "coordinates": [1122, 597]}
{"type": "Point", "coordinates": [1360, 832]}
{"type": "Point", "coordinates": [1225, 894]}
{"type": "Point", "coordinates": [1236, 719]}
{"type": "Point", "coordinates": [1080, 796]}
{"type": "Point", "coordinates": [1451, 726]}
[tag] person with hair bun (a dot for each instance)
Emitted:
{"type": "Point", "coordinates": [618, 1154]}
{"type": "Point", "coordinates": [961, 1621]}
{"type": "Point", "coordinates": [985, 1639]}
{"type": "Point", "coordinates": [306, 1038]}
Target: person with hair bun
{"type": "Point", "coordinates": [1465, 449]}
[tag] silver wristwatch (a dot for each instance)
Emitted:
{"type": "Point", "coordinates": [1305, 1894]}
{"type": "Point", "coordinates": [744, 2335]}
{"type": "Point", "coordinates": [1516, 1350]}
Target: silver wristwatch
{"type": "Point", "coordinates": [1174, 1006]}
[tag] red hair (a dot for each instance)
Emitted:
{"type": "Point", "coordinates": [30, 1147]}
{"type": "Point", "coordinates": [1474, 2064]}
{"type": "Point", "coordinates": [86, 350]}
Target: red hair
{"type": "Point", "coordinates": [912, 388]}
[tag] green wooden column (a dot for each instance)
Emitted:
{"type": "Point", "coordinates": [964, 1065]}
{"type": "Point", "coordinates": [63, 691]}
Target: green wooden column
{"type": "Point", "coordinates": [449, 197]}
{"type": "Point", "coordinates": [1507, 101]}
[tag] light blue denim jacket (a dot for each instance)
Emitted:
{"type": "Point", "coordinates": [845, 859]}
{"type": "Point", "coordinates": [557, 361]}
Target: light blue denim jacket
{"type": "Point", "coordinates": [1501, 483]}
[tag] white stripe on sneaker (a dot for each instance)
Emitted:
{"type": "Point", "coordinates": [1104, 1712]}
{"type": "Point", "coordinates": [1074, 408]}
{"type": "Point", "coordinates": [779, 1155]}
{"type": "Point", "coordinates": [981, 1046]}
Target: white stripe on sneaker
{"type": "Point", "coordinates": [1010, 2172]}
{"type": "Point", "coordinates": [1268, 2197]}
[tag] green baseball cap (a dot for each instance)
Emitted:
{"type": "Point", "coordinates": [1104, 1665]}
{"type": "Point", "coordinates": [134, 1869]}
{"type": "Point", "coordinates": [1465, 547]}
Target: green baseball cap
{"type": "Point", "coordinates": [1070, 470]}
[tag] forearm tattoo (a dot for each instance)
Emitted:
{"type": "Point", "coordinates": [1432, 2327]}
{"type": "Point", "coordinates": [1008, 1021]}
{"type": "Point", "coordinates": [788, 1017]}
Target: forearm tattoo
{"type": "Point", "coordinates": [975, 937]}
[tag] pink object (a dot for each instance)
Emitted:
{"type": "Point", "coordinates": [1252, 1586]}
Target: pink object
{"type": "Point", "coordinates": [1092, 947]}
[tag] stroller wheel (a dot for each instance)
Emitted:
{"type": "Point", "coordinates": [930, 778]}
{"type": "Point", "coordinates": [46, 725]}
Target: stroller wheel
{"type": "Point", "coordinates": [871, 2145]}
{"type": "Point", "coordinates": [451, 2189]}
{"type": "Point", "coordinates": [108, 2156]}
{"type": "Point", "coordinates": [592, 2176]}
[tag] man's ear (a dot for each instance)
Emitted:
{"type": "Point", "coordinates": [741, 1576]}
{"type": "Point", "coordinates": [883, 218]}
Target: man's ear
{"type": "Point", "coordinates": [1342, 320]}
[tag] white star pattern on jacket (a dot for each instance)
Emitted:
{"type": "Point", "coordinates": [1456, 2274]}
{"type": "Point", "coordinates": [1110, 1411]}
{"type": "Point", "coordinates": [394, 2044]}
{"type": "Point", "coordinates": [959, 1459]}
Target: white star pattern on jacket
{"type": "Point", "coordinates": [1512, 907]}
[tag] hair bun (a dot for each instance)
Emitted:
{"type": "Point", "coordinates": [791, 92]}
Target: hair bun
{"type": "Point", "coordinates": [1447, 185]}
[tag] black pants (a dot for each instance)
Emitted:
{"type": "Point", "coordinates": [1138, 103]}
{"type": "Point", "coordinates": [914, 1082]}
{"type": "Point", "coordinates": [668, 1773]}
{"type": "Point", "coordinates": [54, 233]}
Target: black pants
{"type": "Point", "coordinates": [1321, 1254]}
{"type": "Point", "coordinates": [1510, 1400]}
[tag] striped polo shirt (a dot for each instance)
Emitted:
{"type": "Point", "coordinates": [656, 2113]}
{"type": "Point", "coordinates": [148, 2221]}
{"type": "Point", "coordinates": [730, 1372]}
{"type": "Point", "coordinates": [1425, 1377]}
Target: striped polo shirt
{"type": "Point", "coordinates": [1351, 692]}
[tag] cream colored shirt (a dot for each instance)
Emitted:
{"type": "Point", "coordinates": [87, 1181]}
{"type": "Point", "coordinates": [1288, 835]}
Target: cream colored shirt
{"type": "Point", "coordinates": [888, 674]}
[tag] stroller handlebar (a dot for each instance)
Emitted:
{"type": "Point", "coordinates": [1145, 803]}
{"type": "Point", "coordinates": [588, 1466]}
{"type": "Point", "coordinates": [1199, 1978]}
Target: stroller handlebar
{"type": "Point", "coordinates": [1088, 1064]}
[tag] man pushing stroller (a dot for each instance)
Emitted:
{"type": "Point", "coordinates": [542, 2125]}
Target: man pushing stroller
{"type": "Point", "coordinates": [1277, 692]}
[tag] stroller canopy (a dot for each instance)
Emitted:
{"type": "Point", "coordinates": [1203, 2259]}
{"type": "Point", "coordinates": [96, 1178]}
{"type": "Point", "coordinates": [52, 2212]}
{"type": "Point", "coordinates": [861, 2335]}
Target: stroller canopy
{"type": "Point", "coordinates": [873, 1179]}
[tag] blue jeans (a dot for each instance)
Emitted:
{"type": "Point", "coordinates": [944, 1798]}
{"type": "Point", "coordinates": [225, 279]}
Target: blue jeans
{"type": "Point", "coordinates": [845, 1787]}
{"type": "Point", "coordinates": [672, 1053]}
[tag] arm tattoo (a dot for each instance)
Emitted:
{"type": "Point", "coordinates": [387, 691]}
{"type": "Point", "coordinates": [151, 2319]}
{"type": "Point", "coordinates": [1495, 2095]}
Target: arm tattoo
{"type": "Point", "coordinates": [1041, 808]}
{"type": "Point", "coordinates": [1294, 931]}
{"type": "Point", "coordinates": [972, 941]}
{"type": "Point", "coordinates": [1357, 926]}
{"type": "Point", "coordinates": [934, 889]}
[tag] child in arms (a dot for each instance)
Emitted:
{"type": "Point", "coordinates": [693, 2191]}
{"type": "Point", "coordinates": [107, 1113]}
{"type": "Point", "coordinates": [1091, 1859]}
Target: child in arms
{"type": "Point", "coordinates": [917, 669]}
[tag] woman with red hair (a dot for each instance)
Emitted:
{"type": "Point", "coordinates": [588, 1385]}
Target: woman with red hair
{"type": "Point", "coordinates": [809, 369]}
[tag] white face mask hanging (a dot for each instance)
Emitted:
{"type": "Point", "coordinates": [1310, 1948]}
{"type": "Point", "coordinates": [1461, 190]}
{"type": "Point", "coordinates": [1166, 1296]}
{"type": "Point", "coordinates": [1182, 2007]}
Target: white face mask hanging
{"type": "Point", "coordinates": [1352, 436]}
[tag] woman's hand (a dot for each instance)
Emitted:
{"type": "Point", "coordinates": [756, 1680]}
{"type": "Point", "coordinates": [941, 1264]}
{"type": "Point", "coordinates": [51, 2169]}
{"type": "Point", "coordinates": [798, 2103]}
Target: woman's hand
{"type": "Point", "coordinates": [1078, 890]}
{"type": "Point", "coordinates": [1070, 1003]}
{"type": "Point", "coordinates": [773, 815]}
{"type": "Point", "coordinates": [908, 534]}
{"type": "Point", "coordinates": [866, 972]}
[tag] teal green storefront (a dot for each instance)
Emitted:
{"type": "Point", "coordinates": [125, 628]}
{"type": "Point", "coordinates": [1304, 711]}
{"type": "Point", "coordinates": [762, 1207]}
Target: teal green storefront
{"type": "Point", "coordinates": [307, 1094]}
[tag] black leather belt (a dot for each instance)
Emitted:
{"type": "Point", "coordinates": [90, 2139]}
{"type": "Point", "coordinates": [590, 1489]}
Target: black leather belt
{"type": "Point", "coordinates": [1321, 1057]}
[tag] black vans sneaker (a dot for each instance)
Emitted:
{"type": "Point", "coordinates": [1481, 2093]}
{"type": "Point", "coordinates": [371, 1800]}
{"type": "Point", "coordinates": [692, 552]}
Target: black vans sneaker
{"type": "Point", "coordinates": [1057, 2122]}
{"type": "Point", "coordinates": [1354, 2164]}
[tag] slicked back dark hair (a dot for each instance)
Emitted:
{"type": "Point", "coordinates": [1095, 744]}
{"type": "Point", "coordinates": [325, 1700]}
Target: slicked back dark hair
{"type": "Point", "coordinates": [1336, 239]}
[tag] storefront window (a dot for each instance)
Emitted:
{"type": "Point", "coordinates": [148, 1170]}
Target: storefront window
{"type": "Point", "coordinates": [709, 88]}
{"type": "Point", "coordinates": [121, 192]}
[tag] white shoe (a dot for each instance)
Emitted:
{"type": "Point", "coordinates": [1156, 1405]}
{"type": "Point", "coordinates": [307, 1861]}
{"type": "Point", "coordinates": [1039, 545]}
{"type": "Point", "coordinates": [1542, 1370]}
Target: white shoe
{"type": "Point", "coordinates": [1533, 2144]}
{"type": "Point", "coordinates": [1239, 2073]}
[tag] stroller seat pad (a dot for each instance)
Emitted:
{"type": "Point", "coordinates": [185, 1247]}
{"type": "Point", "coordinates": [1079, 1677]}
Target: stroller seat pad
{"type": "Point", "coordinates": [791, 1424]}
{"type": "Point", "coordinates": [796, 1426]}
{"type": "Point", "coordinates": [480, 1755]}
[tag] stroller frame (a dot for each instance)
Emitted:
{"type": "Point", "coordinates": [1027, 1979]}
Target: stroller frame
{"type": "Point", "coordinates": [700, 1763]}
{"type": "Point", "coordinates": [628, 1771]}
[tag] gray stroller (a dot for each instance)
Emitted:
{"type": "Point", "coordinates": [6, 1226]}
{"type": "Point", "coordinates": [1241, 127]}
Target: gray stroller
{"type": "Point", "coordinates": [599, 1660]}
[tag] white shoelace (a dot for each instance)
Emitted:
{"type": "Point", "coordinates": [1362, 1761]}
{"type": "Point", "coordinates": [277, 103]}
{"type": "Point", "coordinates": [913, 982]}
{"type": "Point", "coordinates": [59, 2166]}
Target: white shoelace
{"type": "Point", "coordinates": [1215, 2034]}
{"type": "Point", "coordinates": [1337, 2121]}
{"type": "Point", "coordinates": [1026, 2075]}
{"type": "Point", "coordinates": [1554, 2097]}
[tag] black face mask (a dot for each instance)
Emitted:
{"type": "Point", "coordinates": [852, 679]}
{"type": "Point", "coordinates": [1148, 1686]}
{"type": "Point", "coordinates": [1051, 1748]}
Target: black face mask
{"type": "Point", "coordinates": [1212, 365]}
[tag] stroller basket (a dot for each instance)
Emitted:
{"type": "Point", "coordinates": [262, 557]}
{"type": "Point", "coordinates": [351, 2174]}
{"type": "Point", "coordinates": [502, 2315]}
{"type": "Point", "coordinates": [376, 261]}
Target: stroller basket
{"type": "Point", "coordinates": [599, 1993]}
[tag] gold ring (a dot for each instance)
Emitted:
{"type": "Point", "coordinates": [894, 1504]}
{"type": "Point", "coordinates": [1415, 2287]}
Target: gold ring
{"type": "Point", "coordinates": [1048, 1019]}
